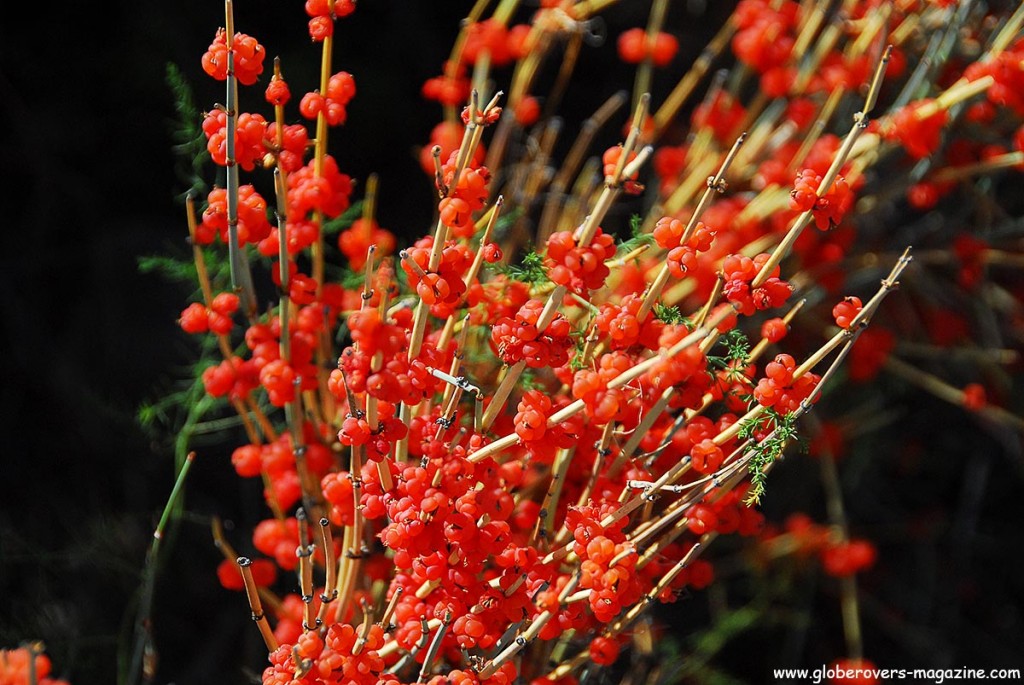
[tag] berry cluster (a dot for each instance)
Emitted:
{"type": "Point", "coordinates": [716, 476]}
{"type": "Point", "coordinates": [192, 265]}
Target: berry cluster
{"type": "Point", "coordinates": [764, 41]}
{"type": "Point", "coordinates": [604, 404]}
{"type": "Point", "coordinates": [829, 208]}
{"type": "Point", "coordinates": [846, 311]}
{"type": "Point", "coordinates": [325, 190]}
{"type": "Point", "coordinates": [451, 89]}
{"type": "Point", "coordinates": [322, 15]}
{"type": "Point", "coordinates": [682, 256]}
{"type": "Point", "coordinates": [466, 196]}
{"type": "Point", "coordinates": [216, 318]}
{"type": "Point", "coordinates": [520, 338]}
{"type": "Point", "coordinates": [26, 666]}
{"type": "Point", "coordinates": [781, 389]}
{"type": "Point", "coordinates": [580, 268]}
{"type": "Point", "coordinates": [740, 273]}
{"type": "Point", "coordinates": [341, 655]}
{"type": "Point", "coordinates": [531, 422]}
{"type": "Point", "coordinates": [443, 288]}
{"type": "Point", "coordinates": [613, 161]}
{"type": "Point", "coordinates": [503, 470]}
{"type": "Point", "coordinates": [250, 132]}
{"type": "Point", "coordinates": [634, 47]}
{"type": "Point", "coordinates": [355, 241]}
{"type": "Point", "coordinates": [623, 329]}
{"type": "Point", "coordinates": [252, 225]}
{"type": "Point", "coordinates": [341, 88]}
{"type": "Point", "coordinates": [248, 58]}
{"type": "Point", "coordinates": [502, 44]}
{"type": "Point", "coordinates": [918, 127]}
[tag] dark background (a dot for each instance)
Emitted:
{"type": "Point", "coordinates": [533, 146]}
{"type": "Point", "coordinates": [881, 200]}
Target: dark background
{"type": "Point", "coordinates": [91, 186]}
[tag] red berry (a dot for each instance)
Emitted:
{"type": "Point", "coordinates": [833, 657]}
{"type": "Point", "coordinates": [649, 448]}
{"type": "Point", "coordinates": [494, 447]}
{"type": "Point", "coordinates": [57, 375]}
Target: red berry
{"type": "Point", "coordinates": [277, 92]}
{"type": "Point", "coordinates": [707, 457]}
{"type": "Point", "coordinates": [848, 558]}
{"type": "Point", "coordinates": [632, 46]}
{"type": "Point", "coordinates": [527, 112]}
{"type": "Point", "coordinates": [247, 460]}
{"type": "Point", "coordinates": [492, 253]}
{"type": "Point", "coordinates": [604, 650]}
{"type": "Point", "coordinates": [846, 311]}
{"type": "Point", "coordinates": [194, 319]}
{"type": "Point", "coordinates": [225, 303]}
{"type": "Point", "coordinates": [774, 330]}
{"type": "Point", "coordinates": [974, 397]}
{"type": "Point", "coordinates": [853, 672]}
{"type": "Point", "coordinates": [701, 519]}
{"type": "Point", "coordinates": [311, 105]}
{"type": "Point", "coordinates": [918, 132]}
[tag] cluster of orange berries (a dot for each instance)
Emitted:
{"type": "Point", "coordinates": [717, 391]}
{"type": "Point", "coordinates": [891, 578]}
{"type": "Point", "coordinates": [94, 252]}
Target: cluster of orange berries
{"type": "Point", "coordinates": [216, 318]}
{"type": "Point", "coordinates": [248, 58]}
{"type": "Point", "coordinates": [18, 666]}
{"type": "Point", "coordinates": [341, 88]}
{"type": "Point", "coordinates": [579, 268]}
{"type": "Point", "coordinates": [520, 338]}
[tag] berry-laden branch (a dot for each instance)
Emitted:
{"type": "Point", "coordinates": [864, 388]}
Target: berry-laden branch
{"type": "Point", "coordinates": [478, 475]}
{"type": "Point", "coordinates": [241, 278]}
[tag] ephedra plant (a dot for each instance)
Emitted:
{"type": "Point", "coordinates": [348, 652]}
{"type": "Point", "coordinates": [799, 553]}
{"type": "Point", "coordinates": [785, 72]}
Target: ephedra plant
{"type": "Point", "coordinates": [491, 454]}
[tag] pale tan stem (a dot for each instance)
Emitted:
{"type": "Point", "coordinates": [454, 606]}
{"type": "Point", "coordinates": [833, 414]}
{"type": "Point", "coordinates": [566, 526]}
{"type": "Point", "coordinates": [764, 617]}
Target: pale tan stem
{"type": "Point", "coordinates": [642, 81]}
{"type": "Point", "coordinates": [860, 122]}
{"type": "Point", "coordinates": [1005, 161]}
{"type": "Point", "coordinates": [478, 259]}
{"type": "Point", "coordinates": [682, 91]}
{"type": "Point", "coordinates": [255, 605]}
{"type": "Point", "coordinates": [947, 392]}
{"type": "Point", "coordinates": [435, 647]}
{"type": "Point", "coordinates": [331, 562]}
{"type": "Point", "coordinates": [546, 519]}
{"type": "Point", "coordinates": [305, 554]}
{"type": "Point", "coordinates": [505, 388]}
{"type": "Point", "coordinates": [385, 619]}
{"type": "Point", "coordinates": [641, 429]}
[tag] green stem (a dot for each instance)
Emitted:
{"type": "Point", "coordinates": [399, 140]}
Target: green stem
{"type": "Point", "coordinates": [142, 635]}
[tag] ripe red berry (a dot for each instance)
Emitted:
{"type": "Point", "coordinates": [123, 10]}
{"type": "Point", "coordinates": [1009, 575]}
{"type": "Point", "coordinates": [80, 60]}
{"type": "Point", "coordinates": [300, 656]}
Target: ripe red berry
{"type": "Point", "coordinates": [247, 460]}
{"type": "Point", "coordinates": [492, 253]}
{"type": "Point", "coordinates": [632, 46]}
{"type": "Point", "coordinates": [975, 397]}
{"type": "Point", "coordinates": [225, 303]}
{"type": "Point", "coordinates": [664, 49]}
{"type": "Point", "coordinates": [853, 672]}
{"type": "Point", "coordinates": [707, 457]}
{"type": "Point", "coordinates": [604, 650]}
{"type": "Point", "coordinates": [321, 28]}
{"type": "Point", "coordinates": [194, 319]}
{"type": "Point", "coordinates": [775, 329]}
{"type": "Point", "coordinates": [848, 558]}
{"type": "Point", "coordinates": [701, 519]}
{"type": "Point", "coordinates": [527, 112]}
{"type": "Point", "coordinates": [311, 105]}
{"type": "Point", "coordinates": [277, 92]}
{"type": "Point", "coordinates": [846, 311]}
{"type": "Point", "coordinates": [917, 131]}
